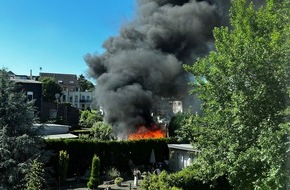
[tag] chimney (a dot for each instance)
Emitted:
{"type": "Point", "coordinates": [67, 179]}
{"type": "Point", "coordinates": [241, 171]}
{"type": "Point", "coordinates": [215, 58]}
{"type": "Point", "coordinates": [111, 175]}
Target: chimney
{"type": "Point", "coordinates": [30, 74]}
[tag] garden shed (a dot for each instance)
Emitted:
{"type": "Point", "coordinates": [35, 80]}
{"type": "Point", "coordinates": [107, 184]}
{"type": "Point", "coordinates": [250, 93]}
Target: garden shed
{"type": "Point", "coordinates": [180, 156]}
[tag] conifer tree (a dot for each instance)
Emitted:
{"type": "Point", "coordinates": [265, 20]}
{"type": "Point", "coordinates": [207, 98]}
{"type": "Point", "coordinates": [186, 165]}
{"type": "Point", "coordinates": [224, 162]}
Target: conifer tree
{"type": "Point", "coordinates": [94, 180]}
{"type": "Point", "coordinates": [19, 143]}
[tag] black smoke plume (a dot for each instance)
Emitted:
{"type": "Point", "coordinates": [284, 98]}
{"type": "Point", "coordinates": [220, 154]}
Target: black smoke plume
{"type": "Point", "coordinates": [144, 63]}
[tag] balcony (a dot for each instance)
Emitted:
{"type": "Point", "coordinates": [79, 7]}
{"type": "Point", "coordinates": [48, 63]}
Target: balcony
{"type": "Point", "coordinates": [85, 101]}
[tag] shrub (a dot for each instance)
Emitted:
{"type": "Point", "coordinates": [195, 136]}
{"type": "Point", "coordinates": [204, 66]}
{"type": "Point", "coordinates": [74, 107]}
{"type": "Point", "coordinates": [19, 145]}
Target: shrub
{"type": "Point", "coordinates": [94, 180]}
{"type": "Point", "coordinates": [35, 178]}
{"type": "Point", "coordinates": [118, 180]}
{"type": "Point", "coordinates": [153, 182]}
{"type": "Point", "coordinates": [63, 165]}
{"type": "Point", "coordinates": [112, 173]}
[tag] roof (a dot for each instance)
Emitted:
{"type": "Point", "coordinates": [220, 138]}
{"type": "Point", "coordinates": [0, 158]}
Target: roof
{"type": "Point", "coordinates": [69, 81]}
{"type": "Point", "coordinates": [26, 81]}
{"type": "Point", "coordinates": [186, 147]}
{"type": "Point", "coordinates": [60, 136]}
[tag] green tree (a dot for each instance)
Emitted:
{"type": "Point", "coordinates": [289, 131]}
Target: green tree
{"type": "Point", "coordinates": [102, 131]}
{"type": "Point", "coordinates": [49, 89]}
{"type": "Point", "coordinates": [85, 84]}
{"type": "Point", "coordinates": [19, 142]}
{"type": "Point", "coordinates": [94, 180]}
{"type": "Point", "coordinates": [244, 86]}
{"type": "Point", "coordinates": [181, 125]}
{"type": "Point", "coordinates": [89, 117]}
{"type": "Point", "coordinates": [35, 177]}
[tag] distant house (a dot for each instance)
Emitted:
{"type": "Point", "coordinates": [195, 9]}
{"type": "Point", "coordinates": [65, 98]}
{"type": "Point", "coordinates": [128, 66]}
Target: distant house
{"type": "Point", "coordinates": [71, 90]}
{"type": "Point", "coordinates": [32, 88]}
{"type": "Point", "coordinates": [180, 156]}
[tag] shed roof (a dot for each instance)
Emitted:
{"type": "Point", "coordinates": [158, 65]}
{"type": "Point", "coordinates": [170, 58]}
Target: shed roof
{"type": "Point", "coordinates": [61, 136]}
{"type": "Point", "coordinates": [185, 147]}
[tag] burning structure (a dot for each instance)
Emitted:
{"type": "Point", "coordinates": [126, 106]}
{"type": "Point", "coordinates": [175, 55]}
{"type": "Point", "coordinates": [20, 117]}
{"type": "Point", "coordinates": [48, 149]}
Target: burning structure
{"type": "Point", "coordinates": [143, 65]}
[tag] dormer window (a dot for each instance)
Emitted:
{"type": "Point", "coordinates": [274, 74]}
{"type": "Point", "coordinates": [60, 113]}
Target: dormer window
{"type": "Point", "coordinates": [71, 82]}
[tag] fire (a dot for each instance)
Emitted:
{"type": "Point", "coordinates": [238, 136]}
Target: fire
{"type": "Point", "coordinates": [151, 132]}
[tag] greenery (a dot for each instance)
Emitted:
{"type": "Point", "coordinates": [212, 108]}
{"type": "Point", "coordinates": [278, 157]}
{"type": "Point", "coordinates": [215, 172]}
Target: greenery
{"type": "Point", "coordinates": [185, 179]}
{"type": "Point", "coordinates": [35, 177]}
{"type": "Point", "coordinates": [102, 131]}
{"type": "Point", "coordinates": [112, 173]}
{"type": "Point", "coordinates": [63, 165]}
{"type": "Point", "coordinates": [158, 182]}
{"type": "Point", "coordinates": [118, 180]}
{"type": "Point", "coordinates": [90, 117]}
{"type": "Point", "coordinates": [19, 142]}
{"type": "Point", "coordinates": [111, 153]}
{"type": "Point", "coordinates": [50, 87]}
{"type": "Point", "coordinates": [94, 180]}
{"type": "Point", "coordinates": [243, 133]}
{"type": "Point", "coordinates": [180, 127]}
{"type": "Point", "coordinates": [85, 85]}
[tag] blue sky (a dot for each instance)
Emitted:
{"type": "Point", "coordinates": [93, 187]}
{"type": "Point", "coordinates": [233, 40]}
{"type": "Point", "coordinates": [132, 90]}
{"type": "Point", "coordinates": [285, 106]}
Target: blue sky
{"type": "Point", "coordinates": [56, 34]}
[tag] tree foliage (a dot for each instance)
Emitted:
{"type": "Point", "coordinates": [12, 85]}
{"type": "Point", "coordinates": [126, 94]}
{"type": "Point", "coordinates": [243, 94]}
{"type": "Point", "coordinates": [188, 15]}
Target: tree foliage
{"type": "Point", "coordinates": [89, 117]}
{"type": "Point", "coordinates": [181, 127]}
{"type": "Point", "coordinates": [50, 87]}
{"type": "Point", "coordinates": [244, 86]}
{"type": "Point", "coordinates": [85, 85]}
{"type": "Point", "coordinates": [102, 131]}
{"type": "Point", "coordinates": [19, 143]}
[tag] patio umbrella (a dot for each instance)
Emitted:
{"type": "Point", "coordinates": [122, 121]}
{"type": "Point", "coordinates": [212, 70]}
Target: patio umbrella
{"type": "Point", "coordinates": [152, 157]}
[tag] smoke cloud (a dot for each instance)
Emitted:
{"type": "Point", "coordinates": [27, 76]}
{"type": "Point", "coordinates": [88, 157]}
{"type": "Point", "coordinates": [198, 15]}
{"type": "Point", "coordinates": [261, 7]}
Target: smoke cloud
{"type": "Point", "coordinates": [144, 63]}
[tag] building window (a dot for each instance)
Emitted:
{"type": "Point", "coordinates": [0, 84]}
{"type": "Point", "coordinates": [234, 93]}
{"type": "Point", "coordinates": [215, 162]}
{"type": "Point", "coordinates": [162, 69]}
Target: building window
{"type": "Point", "coordinates": [64, 98]}
{"type": "Point", "coordinates": [30, 96]}
{"type": "Point", "coordinates": [70, 98]}
{"type": "Point", "coordinates": [83, 97]}
{"type": "Point", "coordinates": [88, 97]}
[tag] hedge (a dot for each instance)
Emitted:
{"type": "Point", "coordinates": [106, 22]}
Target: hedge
{"type": "Point", "coordinates": [111, 153]}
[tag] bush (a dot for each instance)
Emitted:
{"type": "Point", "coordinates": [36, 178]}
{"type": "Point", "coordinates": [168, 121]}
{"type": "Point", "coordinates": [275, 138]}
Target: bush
{"type": "Point", "coordinates": [185, 179]}
{"type": "Point", "coordinates": [112, 173]}
{"type": "Point", "coordinates": [188, 178]}
{"type": "Point", "coordinates": [35, 178]}
{"type": "Point", "coordinates": [118, 180]}
{"type": "Point", "coordinates": [94, 180]}
{"type": "Point", "coordinates": [63, 165]}
{"type": "Point", "coordinates": [153, 182]}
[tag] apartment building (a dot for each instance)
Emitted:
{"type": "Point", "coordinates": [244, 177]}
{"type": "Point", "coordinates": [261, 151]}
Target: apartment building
{"type": "Point", "coordinates": [71, 90]}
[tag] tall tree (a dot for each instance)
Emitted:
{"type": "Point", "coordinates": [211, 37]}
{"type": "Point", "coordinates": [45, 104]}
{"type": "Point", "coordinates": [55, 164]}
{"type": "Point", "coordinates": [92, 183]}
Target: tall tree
{"type": "Point", "coordinates": [49, 89]}
{"type": "Point", "coordinates": [19, 143]}
{"type": "Point", "coordinates": [244, 86]}
{"type": "Point", "coordinates": [85, 84]}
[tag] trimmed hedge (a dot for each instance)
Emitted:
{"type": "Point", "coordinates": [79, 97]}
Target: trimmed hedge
{"type": "Point", "coordinates": [111, 153]}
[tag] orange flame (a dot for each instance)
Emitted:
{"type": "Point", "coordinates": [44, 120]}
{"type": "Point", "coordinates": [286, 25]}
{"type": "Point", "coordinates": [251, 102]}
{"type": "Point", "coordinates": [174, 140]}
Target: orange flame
{"type": "Point", "coordinates": [152, 132]}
